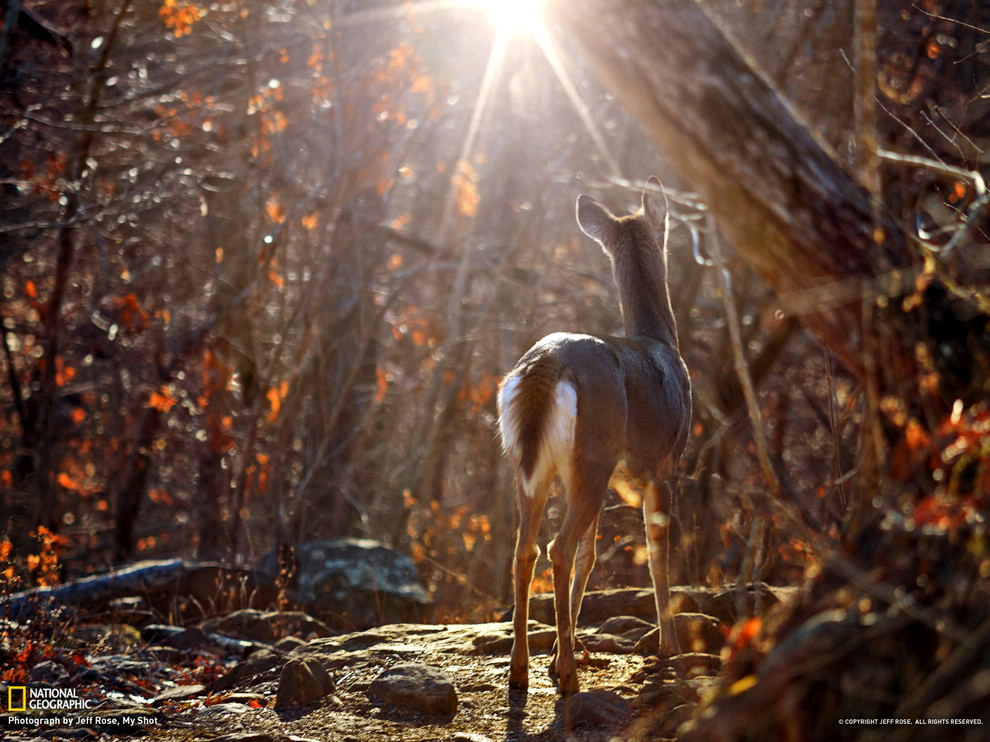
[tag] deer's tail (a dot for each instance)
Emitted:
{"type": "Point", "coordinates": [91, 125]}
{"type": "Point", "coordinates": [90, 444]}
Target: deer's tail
{"type": "Point", "coordinates": [537, 413]}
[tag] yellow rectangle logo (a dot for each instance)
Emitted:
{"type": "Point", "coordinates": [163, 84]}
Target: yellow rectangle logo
{"type": "Point", "coordinates": [12, 692]}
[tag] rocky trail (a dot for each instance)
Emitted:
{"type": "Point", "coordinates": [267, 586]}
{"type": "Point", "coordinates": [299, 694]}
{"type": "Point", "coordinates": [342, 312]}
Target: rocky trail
{"type": "Point", "coordinates": [255, 676]}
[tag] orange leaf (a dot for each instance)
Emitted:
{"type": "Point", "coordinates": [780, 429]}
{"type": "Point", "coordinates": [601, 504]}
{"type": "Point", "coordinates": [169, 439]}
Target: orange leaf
{"type": "Point", "coordinates": [746, 632]}
{"type": "Point", "coordinates": [162, 400]}
{"type": "Point", "coordinates": [63, 374]}
{"type": "Point", "coordinates": [275, 396]}
{"type": "Point", "coordinates": [915, 435]}
{"type": "Point", "coordinates": [382, 385]}
{"type": "Point", "coordinates": [465, 184]}
{"type": "Point", "coordinates": [275, 212]}
{"type": "Point", "coordinates": [67, 482]}
{"type": "Point", "coordinates": [275, 402]}
{"type": "Point", "coordinates": [179, 16]}
{"type": "Point", "coordinates": [424, 84]}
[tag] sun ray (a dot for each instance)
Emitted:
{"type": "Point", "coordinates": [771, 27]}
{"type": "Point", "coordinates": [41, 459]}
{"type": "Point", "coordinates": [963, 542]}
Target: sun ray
{"type": "Point", "coordinates": [549, 49]}
{"type": "Point", "coordinates": [510, 16]}
{"type": "Point", "coordinates": [398, 12]}
{"type": "Point", "coordinates": [493, 68]}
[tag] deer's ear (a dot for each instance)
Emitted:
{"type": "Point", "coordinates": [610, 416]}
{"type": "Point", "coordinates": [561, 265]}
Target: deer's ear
{"type": "Point", "coordinates": [655, 207]}
{"type": "Point", "coordinates": [594, 219]}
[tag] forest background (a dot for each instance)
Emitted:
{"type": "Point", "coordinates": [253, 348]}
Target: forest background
{"type": "Point", "coordinates": [265, 263]}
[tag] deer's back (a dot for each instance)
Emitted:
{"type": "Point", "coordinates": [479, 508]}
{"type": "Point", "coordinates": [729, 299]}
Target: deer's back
{"type": "Point", "coordinates": [633, 394]}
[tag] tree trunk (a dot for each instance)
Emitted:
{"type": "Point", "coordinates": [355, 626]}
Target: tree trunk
{"type": "Point", "coordinates": [784, 201]}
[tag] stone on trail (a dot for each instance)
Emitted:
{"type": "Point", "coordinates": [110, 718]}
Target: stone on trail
{"type": "Point", "coordinates": [302, 682]}
{"type": "Point", "coordinates": [415, 687]}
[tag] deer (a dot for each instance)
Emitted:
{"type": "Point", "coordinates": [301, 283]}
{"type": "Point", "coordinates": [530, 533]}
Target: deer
{"type": "Point", "coordinates": [592, 410]}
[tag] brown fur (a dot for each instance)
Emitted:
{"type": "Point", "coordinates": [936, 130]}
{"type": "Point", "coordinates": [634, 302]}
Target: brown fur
{"type": "Point", "coordinates": [624, 400]}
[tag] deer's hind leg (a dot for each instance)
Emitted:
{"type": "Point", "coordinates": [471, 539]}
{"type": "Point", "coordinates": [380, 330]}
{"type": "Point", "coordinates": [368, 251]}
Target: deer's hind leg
{"type": "Point", "coordinates": [531, 506]}
{"type": "Point", "coordinates": [584, 562]}
{"type": "Point", "coordinates": [586, 491]}
{"type": "Point", "coordinates": [657, 501]}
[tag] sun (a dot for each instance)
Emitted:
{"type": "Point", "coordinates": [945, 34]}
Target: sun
{"type": "Point", "coordinates": [511, 14]}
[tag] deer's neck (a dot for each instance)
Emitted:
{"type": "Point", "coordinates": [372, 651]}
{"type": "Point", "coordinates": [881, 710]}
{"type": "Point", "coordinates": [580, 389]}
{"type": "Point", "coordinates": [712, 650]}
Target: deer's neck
{"type": "Point", "coordinates": [644, 297]}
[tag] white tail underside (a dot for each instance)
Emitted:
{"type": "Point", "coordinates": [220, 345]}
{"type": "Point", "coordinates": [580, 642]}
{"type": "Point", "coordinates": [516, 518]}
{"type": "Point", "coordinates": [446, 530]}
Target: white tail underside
{"type": "Point", "coordinates": [557, 441]}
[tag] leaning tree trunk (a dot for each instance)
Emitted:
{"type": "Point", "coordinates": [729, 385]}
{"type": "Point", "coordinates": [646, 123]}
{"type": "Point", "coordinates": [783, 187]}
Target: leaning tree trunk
{"type": "Point", "coordinates": [784, 201]}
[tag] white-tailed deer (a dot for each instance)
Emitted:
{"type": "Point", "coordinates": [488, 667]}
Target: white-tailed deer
{"type": "Point", "coordinates": [587, 407]}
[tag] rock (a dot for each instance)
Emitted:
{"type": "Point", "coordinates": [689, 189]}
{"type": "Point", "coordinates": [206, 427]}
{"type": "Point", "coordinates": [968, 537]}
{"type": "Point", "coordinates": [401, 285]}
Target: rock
{"type": "Point", "coordinates": [163, 655]}
{"type": "Point", "coordinates": [661, 693]}
{"type": "Point", "coordinates": [696, 632]}
{"type": "Point", "coordinates": [266, 626]}
{"type": "Point", "coordinates": [302, 682]}
{"type": "Point", "coordinates": [249, 737]}
{"type": "Point", "coordinates": [288, 643]}
{"type": "Point", "coordinates": [113, 636]}
{"type": "Point", "coordinates": [499, 640]}
{"type": "Point", "coordinates": [49, 672]}
{"type": "Point", "coordinates": [221, 712]}
{"type": "Point", "coordinates": [175, 636]}
{"type": "Point", "coordinates": [673, 719]}
{"type": "Point", "coordinates": [597, 606]}
{"type": "Point", "coordinates": [116, 670]}
{"type": "Point", "coordinates": [595, 707]}
{"type": "Point", "coordinates": [729, 606]}
{"type": "Point", "coordinates": [61, 733]}
{"type": "Point", "coordinates": [178, 693]}
{"type": "Point", "coordinates": [628, 627]}
{"type": "Point", "coordinates": [608, 643]}
{"type": "Point", "coordinates": [696, 664]}
{"type": "Point", "coordinates": [247, 699]}
{"type": "Point", "coordinates": [415, 687]}
{"type": "Point", "coordinates": [254, 668]}
{"type": "Point", "coordinates": [353, 584]}
{"type": "Point", "coordinates": [685, 599]}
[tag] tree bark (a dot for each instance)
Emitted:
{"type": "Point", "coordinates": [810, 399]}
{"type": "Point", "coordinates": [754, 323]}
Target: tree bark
{"type": "Point", "coordinates": [205, 584]}
{"type": "Point", "coordinates": [783, 200]}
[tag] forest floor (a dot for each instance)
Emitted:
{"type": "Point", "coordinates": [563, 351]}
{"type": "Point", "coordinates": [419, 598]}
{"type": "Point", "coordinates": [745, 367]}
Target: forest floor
{"type": "Point", "coordinates": [887, 639]}
{"type": "Point", "coordinates": [175, 684]}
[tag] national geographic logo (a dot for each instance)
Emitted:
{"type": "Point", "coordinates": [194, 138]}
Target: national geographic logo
{"type": "Point", "coordinates": [27, 698]}
{"type": "Point", "coordinates": [18, 692]}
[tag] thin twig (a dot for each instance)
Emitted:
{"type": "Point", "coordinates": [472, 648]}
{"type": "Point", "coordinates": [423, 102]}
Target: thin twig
{"type": "Point", "coordinates": [970, 176]}
{"type": "Point", "coordinates": [742, 368]}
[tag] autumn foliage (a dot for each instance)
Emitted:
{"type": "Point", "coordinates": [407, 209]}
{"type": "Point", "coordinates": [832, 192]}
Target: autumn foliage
{"type": "Point", "coordinates": [265, 263]}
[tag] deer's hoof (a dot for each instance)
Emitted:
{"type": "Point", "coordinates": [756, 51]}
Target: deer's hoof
{"type": "Point", "coordinates": [568, 685]}
{"type": "Point", "coordinates": [518, 679]}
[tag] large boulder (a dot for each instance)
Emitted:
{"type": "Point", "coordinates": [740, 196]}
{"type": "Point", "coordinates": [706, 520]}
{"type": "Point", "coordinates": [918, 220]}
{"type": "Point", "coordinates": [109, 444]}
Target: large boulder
{"type": "Point", "coordinates": [352, 584]}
